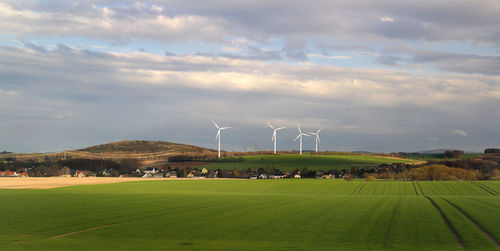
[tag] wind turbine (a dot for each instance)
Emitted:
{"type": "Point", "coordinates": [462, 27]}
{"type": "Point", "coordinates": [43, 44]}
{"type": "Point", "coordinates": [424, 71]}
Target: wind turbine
{"type": "Point", "coordinates": [274, 133]}
{"type": "Point", "coordinates": [317, 137]}
{"type": "Point", "coordinates": [218, 135]}
{"type": "Point", "coordinates": [300, 136]}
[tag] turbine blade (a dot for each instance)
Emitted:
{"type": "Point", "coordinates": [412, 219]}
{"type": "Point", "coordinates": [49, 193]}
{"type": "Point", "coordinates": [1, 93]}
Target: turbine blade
{"type": "Point", "coordinates": [298, 125]}
{"type": "Point", "coordinates": [215, 124]}
{"type": "Point", "coordinates": [317, 136]}
{"type": "Point", "coordinates": [277, 129]}
{"type": "Point", "coordinates": [227, 127]}
{"type": "Point", "coordinates": [218, 135]}
{"type": "Point", "coordinates": [319, 130]}
{"type": "Point", "coordinates": [269, 124]}
{"type": "Point", "coordinates": [306, 134]}
{"type": "Point", "coordinates": [297, 138]}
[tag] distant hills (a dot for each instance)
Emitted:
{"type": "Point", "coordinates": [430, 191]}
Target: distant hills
{"type": "Point", "coordinates": [435, 151]}
{"type": "Point", "coordinates": [440, 151]}
{"type": "Point", "coordinates": [144, 146]}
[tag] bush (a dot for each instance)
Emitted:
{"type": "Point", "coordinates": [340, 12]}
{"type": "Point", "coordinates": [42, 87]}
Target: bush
{"type": "Point", "coordinates": [441, 172]}
{"type": "Point", "coordinates": [492, 150]}
{"type": "Point", "coordinates": [453, 154]}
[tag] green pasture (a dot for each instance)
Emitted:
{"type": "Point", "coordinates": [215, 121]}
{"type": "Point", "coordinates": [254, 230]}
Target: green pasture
{"type": "Point", "coordinates": [290, 162]}
{"type": "Point", "coordinates": [253, 214]}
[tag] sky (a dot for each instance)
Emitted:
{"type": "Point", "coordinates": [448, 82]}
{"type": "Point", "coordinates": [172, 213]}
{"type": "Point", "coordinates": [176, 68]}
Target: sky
{"type": "Point", "coordinates": [381, 76]}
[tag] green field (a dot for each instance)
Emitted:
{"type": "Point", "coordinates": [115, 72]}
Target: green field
{"type": "Point", "coordinates": [290, 162]}
{"type": "Point", "coordinates": [253, 214]}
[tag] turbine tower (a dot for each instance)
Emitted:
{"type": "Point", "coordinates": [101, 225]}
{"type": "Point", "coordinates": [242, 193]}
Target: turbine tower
{"type": "Point", "coordinates": [317, 137]}
{"type": "Point", "coordinates": [217, 137]}
{"type": "Point", "coordinates": [300, 137]}
{"type": "Point", "coordinates": [274, 133]}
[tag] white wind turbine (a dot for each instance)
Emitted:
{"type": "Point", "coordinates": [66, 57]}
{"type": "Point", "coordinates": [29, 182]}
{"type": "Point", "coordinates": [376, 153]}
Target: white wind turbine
{"type": "Point", "coordinates": [274, 133]}
{"type": "Point", "coordinates": [218, 135]}
{"type": "Point", "coordinates": [317, 137]}
{"type": "Point", "coordinates": [300, 137]}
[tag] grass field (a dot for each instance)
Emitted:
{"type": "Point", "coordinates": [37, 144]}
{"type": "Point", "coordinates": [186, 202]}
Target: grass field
{"type": "Point", "coordinates": [253, 214]}
{"type": "Point", "coordinates": [289, 162]}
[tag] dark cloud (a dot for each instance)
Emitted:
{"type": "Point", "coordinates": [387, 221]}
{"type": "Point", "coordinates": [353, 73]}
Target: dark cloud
{"type": "Point", "coordinates": [454, 62]}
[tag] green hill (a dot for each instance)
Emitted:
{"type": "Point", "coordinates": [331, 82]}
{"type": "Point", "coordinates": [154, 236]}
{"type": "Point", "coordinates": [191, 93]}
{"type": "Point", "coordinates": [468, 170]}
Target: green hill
{"type": "Point", "coordinates": [289, 162]}
{"type": "Point", "coordinates": [144, 146]}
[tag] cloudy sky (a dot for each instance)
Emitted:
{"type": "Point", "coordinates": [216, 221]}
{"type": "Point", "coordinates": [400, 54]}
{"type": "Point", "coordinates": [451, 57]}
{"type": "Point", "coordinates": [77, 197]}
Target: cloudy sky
{"type": "Point", "coordinates": [377, 75]}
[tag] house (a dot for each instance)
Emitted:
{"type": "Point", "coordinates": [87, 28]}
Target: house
{"type": "Point", "coordinates": [171, 174]}
{"type": "Point", "coordinates": [277, 176]}
{"type": "Point", "coordinates": [327, 176]}
{"type": "Point", "coordinates": [151, 170]}
{"type": "Point", "coordinates": [254, 177]}
{"type": "Point", "coordinates": [23, 174]}
{"type": "Point", "coordinates": [263, 176]}
{"type": "Point", "coordinates": [106, 172]}
{"type": "Point", "coordinates": [81, 174]}
{"type": "Point", "coordinates": [190, 175]}
{"type": "Point", "coordinates": [9, 174]}
{"type": "Point", "coordinates": [297, 176]}
{"type": "Point", "coordinates": [158, 175]}
{"type": "Point", "coordinates": [212, 174]}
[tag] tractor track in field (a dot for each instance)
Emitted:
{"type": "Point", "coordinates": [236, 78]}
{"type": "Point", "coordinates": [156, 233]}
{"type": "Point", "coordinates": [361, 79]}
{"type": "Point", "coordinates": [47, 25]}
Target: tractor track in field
{"type": "Point", "coordinates": [132, 220]}
{"type": "Point", "coordinates": [358, 189]}
{"type": "Point", "coordinates": [474, 222]}
{"type": "Point", "coordinates": [453, 230]}
{"type": "Point", "coordinates": [414, 188]}
{"type": "Point", "coordinates": [81, 231]}
{"type": "Point", "coordinates": [389, 226]}
{"type": "Point", "coordinates": [485, 188]}
{"type": "Point", "coordinates": [421, 191]}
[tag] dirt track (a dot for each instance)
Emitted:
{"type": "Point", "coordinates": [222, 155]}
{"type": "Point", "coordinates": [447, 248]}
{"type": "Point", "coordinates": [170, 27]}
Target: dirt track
{"type": "Point", "coordinates": [52, 182]}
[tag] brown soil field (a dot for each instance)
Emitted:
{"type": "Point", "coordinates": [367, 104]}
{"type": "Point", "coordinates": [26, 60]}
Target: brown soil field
{"type": "Point", "coordinates": [53, 182]}
{"type": "Point", "coordinates": [416, 162]}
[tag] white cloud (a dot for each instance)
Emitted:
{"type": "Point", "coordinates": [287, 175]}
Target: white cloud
{"type": "Point", "coordinates": [316, 55]}
{"type": "Point", "coordinates": [114, 24]}
{"type": "Point", "coordinates": [8, 93]}
{"type": "Point", "coordinates": [459, 132]}
{"type": "Point", "coordinates": [387, 19]}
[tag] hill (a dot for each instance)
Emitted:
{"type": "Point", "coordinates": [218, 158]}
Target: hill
{"type": "Point", "coordinates": [144, 146]}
